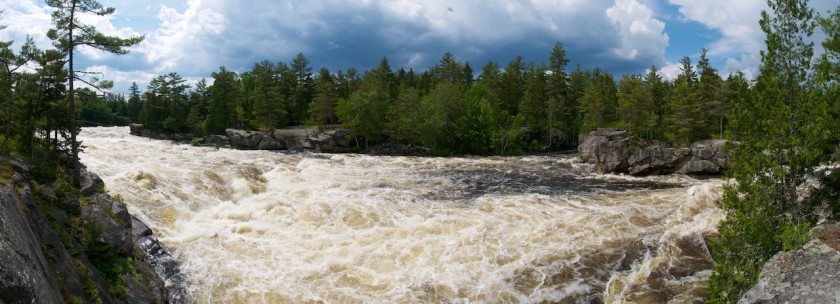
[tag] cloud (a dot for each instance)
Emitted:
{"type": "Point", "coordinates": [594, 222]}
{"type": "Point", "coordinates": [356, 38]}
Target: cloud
{"type": "Point", "coordinates": [195, 37]}
{"type": "Point", "coordinates": [641, 35]}
{"type": "Point", "coordinates": [737, 22]}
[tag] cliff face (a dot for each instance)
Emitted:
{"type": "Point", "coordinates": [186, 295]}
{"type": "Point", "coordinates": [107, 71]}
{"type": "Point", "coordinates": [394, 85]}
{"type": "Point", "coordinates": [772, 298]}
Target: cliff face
{"type": "Point", "coordinates": [61, 244]}
{"type": "Point", "coordinates": [25, 274]}
{"type": "Point", "coordinates": [612, 151]}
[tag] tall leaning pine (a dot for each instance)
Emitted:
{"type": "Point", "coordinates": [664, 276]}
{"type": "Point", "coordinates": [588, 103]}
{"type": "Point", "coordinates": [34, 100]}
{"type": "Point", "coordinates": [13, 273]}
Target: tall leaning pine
{"type": "Point", "coordinates": [68, 34]}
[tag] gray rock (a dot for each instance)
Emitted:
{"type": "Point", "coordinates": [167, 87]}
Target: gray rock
{"type": "Point", "coordinates": [612, 151]}
{"type": "Point", "coordinates": [90, 183]}
{"type": "Point", "coordinates": [136, 129]}
{"type": "Point", "coordinates": [139, 229]}
{"type": "Point", "coordinates": [112, 227]}
{"type": "Point", "coordinates": [810, 274]}
{"type": "Point", "coordinates": [24, 271]}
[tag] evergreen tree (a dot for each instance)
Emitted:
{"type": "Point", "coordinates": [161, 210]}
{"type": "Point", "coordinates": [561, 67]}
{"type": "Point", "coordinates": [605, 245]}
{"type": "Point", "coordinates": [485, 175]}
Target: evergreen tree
{"type": "Point", "coordinates": [303, 90]}
{"type": "Point", "coordinates": [686, 112]}
{"type": "Point", "coordinates": [69, 33]}
{"type": "Point", "coordinates": [780, 133]}
{"type": "Point", "coordinates": [658, 91]}
{"type": "Point", "coordinates": [268, 105]}
{"type": "Point", "coordinates": [223, 96]}
{"type": "Point", "coordinates": [322, 108]}
{"type": "Point", "coordinates": [710, 89]}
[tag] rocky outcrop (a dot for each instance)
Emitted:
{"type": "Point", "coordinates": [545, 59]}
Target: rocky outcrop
{"type": "Point", "coordinates": [314, 139]}
{"type": "Point", "coordinates": [25, 274]}
{"type": "Point", "coordinates": [810, 274]}
{"type": "Point", "coordinates": [54, 241]}
{"type": "Point", "coordinates": [613, 151]}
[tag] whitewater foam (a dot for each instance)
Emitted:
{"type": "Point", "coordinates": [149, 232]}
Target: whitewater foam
{"type": "Point", "coordinates": [269, 227]}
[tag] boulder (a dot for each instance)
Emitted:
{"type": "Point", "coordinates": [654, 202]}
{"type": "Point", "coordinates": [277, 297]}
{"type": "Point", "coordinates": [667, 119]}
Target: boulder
{"type": "Point", "coordinates": [806, 275]}
{"type": "Point", "coordinates": [270, 142]}
{"type": "Point", "coordinates": [90, 183]}
{"type": "Point", "coordinates": [109, 222]}
{"type": "Point", "coordinates": [136, 129]}
{"type": "Point", "coordinates": [612, 151]}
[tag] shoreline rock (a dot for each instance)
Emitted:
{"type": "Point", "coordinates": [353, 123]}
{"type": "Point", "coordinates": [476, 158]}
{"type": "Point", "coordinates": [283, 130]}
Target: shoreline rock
{"type": "Point", "coordinates": [51, 240]}
{"type": "Point", "coordinates": [332, 140]}
{"type": "Point", "coordinates": [613, 151]}
{"type": "Point", "coordinates": [810, 274]}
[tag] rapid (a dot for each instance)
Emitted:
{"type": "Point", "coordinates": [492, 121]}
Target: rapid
{"type": "Point", "coordinates": [274, 227]}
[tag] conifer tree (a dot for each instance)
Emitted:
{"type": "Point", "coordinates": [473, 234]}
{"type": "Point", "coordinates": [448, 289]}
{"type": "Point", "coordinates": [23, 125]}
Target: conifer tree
{"type": "Point", "coordinates": [69, 33]}
{"type": "Point", "coordinates": [780, 133]}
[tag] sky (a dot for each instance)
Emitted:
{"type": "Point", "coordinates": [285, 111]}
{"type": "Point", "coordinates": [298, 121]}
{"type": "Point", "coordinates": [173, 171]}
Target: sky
{"type": "Point", "coordinates": [195, 37]}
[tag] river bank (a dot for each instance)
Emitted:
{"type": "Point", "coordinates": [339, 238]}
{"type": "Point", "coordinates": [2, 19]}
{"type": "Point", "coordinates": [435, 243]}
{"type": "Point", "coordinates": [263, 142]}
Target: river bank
{"type": "Point", "coordinates": [61, 244]}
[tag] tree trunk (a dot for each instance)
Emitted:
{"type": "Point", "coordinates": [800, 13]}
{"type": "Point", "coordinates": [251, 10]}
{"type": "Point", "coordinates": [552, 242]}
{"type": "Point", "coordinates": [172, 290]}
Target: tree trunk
{"type": "Point", "coordinates": [76, 166]}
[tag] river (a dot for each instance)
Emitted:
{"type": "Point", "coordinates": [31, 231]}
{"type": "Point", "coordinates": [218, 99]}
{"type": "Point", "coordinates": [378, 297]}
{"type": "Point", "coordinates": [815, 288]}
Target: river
{"type": "Point", "coordinates": [275, 227]}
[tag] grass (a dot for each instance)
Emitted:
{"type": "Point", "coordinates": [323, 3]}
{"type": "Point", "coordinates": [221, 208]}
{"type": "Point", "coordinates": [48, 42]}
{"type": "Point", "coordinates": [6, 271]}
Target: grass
{"type": "Point", "coordinates": [6, 173]}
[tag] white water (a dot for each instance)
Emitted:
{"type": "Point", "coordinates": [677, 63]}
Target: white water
{"type": "Point", "coordinates": [268, 227]}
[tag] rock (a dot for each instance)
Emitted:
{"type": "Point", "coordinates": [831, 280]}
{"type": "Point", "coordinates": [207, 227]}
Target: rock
{"type": "Point", "coordinates": [42, 260]}
{"type": "Point", "coordinates": [612, 151]}
{"type": "Point", "coordinates": [166, 267]}
{"type": "Point", "coordinates": [107, 225]}
{"type": "Point", "coordinates": [806, 275]}
{"type": "Point", "coordinates": [25, 274]}
{"type": "Point", "coordinates": [218, 140]}
{"type": "Point", "coordinates": [136, 129]}
{"type": "Point", "coordinates": [90, 183]}
{"type": "Point", "coordinates": [270, 142]}
{"type": "Point", "coordinates": [139, 229]}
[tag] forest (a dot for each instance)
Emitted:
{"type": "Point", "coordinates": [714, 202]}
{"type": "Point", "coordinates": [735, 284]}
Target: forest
{"type": "Point", "coordinates": [517, 108]}
{"type": "Point", "coordinates": [784, 123]}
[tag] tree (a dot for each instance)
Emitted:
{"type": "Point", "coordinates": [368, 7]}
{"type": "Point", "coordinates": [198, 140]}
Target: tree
{"type": "Point", "coordinates": [635, 109]}
{"type": "Point", "coordinates": [598, 102]}
{"type": "Point", "coordinates": [268, 106]}
{"type": "Point", "coordinates": [304, 87]}
{"type": "Point", "coordinates": [781, 134]}
{"type": "Point", "coordinates": [710, 93]}
{"type": "Point", "coordinates": [11, 63]}
{"type": "Point", "coordinates": [658, 90]}
{"type": "Point", "coordinates": [686, 118]}
{"type": "Point", "coordinates": [322, 108]}
{"type": "Point", "coordinates": [223, 95]}
{"type": "Point", "coordinates": [70, 33]}
{"type": "Point", "coordinates": [363, 115]}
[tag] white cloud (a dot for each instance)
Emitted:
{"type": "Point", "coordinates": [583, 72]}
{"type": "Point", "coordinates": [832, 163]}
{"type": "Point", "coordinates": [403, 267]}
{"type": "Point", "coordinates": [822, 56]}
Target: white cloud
{"type": "Point", "coordinates": [179, 42]}
{"type": "Point", "coordinates": [641, 34]}
{"type": "Point", "coordinates": [737, 22]}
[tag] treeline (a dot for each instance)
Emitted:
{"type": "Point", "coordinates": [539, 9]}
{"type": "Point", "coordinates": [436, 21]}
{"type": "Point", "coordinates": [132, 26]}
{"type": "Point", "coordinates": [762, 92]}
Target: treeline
{"type": "Point", "coordinates": [519, 107]}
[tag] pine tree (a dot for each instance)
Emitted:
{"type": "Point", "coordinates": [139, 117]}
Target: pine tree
{"type": "Point", "coordinates": [710, 93]}
{"type": "Point", "coordinates": [322, 108]}
{"type": "Point", "coordinates": [69, 33]}
{"type": "Point", "coordinates": [781, 134]}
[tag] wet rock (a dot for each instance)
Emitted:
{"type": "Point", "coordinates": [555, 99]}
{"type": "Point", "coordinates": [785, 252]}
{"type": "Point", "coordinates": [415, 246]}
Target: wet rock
{"type": "Point", "coordinates": [139, 229]}
{"type": "Point", "coordinates": [166, 267]}
{"type": "Point", "coordinates": [810, 274]}
{"type": "Point", "coordinates": [612, 151]}
{"type": "Point", "coordinates": [136, 129]}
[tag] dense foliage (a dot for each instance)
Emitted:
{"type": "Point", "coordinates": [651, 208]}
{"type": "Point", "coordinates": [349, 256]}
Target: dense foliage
{"type": "Point", "coordinates": [786, 127]}
{"type": "Point", "coordinates": [522, 106]}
